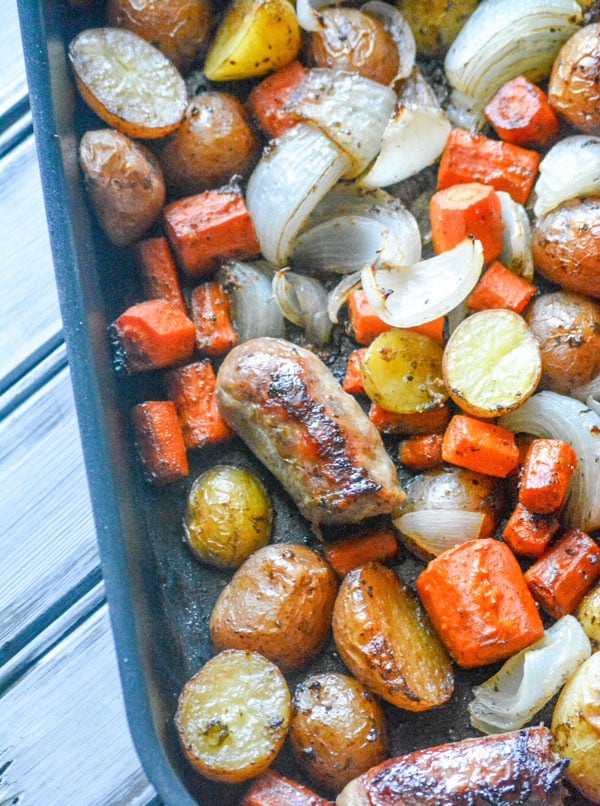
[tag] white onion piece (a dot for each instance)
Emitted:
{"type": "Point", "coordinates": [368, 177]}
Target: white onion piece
{"type": "Point", "coordinates": [503, 39]}
{"type": "Point", "coordinates": [528, 680]}
{"type": "Point", "coordinates": [291, 177]}
{"type": "Point", "coordinates": [350, 109]}
{"type": "Point", "coordinates": [425, 290]}
{"type": "Point", "coordinates": [516, 253]}
{"type": "Point", "coordinates": [414, 137]}
{"type": "Point", "coordinates": [338, 296]}
{"type": "Point", "coordinates": [253, 310]}
{"type": "Point", "coordinates": [307, 12]}
{"type": "Point", "coordinates": [571, 168]}
{"type": "Point", "coordinates": [589, 393]}
{"type": "Point", "coordinates": [437, 530]}
{"type": "Point", "coordinates": [548, 414]}
{"type": "Point", "coordinates": [400, 31]}
{"type": "Point", "coordinates": [303, 300]}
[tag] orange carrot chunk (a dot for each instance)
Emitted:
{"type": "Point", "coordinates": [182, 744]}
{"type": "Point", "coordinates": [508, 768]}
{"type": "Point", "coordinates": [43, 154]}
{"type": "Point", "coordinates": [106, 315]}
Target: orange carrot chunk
{"type": "Point", "coordinates": [420, 422]}
{"type": "Point", "coordinates": [353, 381]}
{"type": "Point", "coordinates": [273, 789]}
{"type": "Point", "coordinates": [152, 334]}
{"type": "Point", "coordinates": [479, 603]}
{"type": "Point", "coordinates": [371, 544]}
{"type": "Point", "coordinates": [158, 271]}
{"type": "Point", "coordinates": [548, 469]}
{"type": "Point", "coordinates": [529, 533]}
{"type": "Point", "coordinates": [469, 209]}
{"type": "Point", "coordinates": [208, 227]}
{"type": "Point", "coordinates": [193, 391]}
{"type": "Point", "coordinates": [471, 157]}
{"type": "Point", "coordinates": [421, 452]}
{"type": "Point", "coordinates": [365, 325]}
{"type": "Point", "coordinates": [480, 445]}
{"type": "Point", "coordinates": [562, 576]}
{"type": "Point", "coordinates": [521, 114]}
{"type": "Point", "coordinates": [159, 441]}
{"type": "Point", "coordinates": [267, 100]}
{"type": "Point", "coordinates": [210, 309]}
{"type": "Point", "coordinates": [498, 287]}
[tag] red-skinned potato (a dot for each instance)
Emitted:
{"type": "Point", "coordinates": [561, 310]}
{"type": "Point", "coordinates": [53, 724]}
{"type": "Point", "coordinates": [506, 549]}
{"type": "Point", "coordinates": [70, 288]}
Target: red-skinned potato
{"type": "Point", "coordinates": [574, 88]}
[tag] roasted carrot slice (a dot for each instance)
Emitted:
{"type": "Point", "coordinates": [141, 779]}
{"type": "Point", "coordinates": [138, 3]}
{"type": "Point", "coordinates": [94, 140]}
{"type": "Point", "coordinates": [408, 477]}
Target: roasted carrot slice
{"type": "Point", "coordinates": [547, 471]}
{"type": "Point", "coordinates": [420, 422]}
{"type": "Point", "coordinates": [528, 533]}
{"type": "Point", "coordinates": [471, 157]}
{"type": "Point", "coordinates": [158, 271]}
{"type": "Point", "coordinates": [159, 441]}
{"type": "Point", "coordinates": [192, 389]}
{"type": "Point", "coordinates": [470, 209]}
{"type": "Point", "coordinates": [267, 100]}
{"type": "Point", "coordinates": [521, 114]}
{"type": "Point", "coordinates": [480, 445]}
{"type": "Point", "coordinates": [208, 227]}
{"type": "Point", "coordinates": [421, 452]}
{"type": "Point", "coordinates": [371, 544]}
{"type": "Point", "coordinates": [498, 287]}
{"type": "Point", "coordinates": [365, 325]}
{"type": "Point", "coordinates": [479, 602]}
{"type": "Point", "coordinates": [209, 304]}
{"type": "Point", "coordinates": [353, 381]}
{"type": "Point", "coordinates": [562, 576]}
{"type": "Point", "coordinates": [151, 335]}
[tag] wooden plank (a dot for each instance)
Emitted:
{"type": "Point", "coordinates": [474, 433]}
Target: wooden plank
{"type": "Point", "coordinates": [13, 88]}
{"type": "Point", "coordinates": [47, 540]}
{"type": "Point", "coordinates": [64, 738]}
{"type": "Point", "coordinates": [29, 309]}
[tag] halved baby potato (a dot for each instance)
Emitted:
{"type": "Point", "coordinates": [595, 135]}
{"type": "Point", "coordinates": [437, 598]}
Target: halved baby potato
{"type": "Point", "coordinates": [255, 37]}
{"type": "Point", "coordinates": [128, 82]}
{"type": "Point", "coordinates": [233, 716]}
{"type": "Point", "coordinates": [385, 638]}
{"type": "Point", "coordinates": [492, 363]}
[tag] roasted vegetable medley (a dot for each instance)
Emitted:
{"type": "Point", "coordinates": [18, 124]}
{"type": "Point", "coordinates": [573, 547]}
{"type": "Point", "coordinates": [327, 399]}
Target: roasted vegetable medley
{"type": "Point", "coordinates": [366, 242]}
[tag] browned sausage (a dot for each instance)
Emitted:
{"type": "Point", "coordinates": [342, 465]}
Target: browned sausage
{"type": "Point", "coordinates": [290, 410]}
{"type": "Point", "coordinates": [511, 768]}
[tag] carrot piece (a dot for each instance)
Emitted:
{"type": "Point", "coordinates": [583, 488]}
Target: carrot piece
{"type": "Point", "coordinates": [208, 227]}
{"type": "Point", "coordinates": [152, 334]}
{"type": "Point", "coordinates": [365, 325]}
{"type": "Point", "coordinates": [470, 209]}
{"type": "Point", "coordinates": [267, 100]}
{"type": "Point", "coordinates": [421, 422]}
{"type": "Point", "coordinates": [353, 381]}
{"type": "Point", "coordinates": [158, 271]}
{"type": "Point", "coordinates": [479, 603]}
{"type": "Point", "coordinates": [159, 441]}
{"type": "Point", "coordinates": [529, 533]}
{"type": "Point", "coordinates": [499, 287]}
{"type": "Point", "coordinates": [378, 545]}
{"type": "Point", "coordinates": [471, 157]}
{"type": "Point", "coordinates": [209, 305]}
{"type": "Point", "coordinates": [480, 445]}
{"type": "Point", "coordinates": [548, 468]}
{"type": "Point", "coordinates": [273, 789]}
{"type": "Point", "coordinates": [193, 391]}
{"type": "Point", "coordinates": [421, 452]}
{"type": "Point", "coordinates": [521, 114]}
{"type": "Point", "coordinates": [562, 576]}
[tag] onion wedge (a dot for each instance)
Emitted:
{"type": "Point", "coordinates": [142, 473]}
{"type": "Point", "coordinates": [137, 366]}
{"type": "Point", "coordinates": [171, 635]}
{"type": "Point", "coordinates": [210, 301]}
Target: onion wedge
{"type": "Point", "coordinates": [571, 168]}
{"type": "Point", "coordinates": [253, 310]}
{"type": "Point", "coordinates": [303, 301]}
{"type": "Point", "coordinates": [427, 289]}
{"type": "Point", "coordinates": [516, 254]}
{"type": "Point", "coordinates": [433, 531]}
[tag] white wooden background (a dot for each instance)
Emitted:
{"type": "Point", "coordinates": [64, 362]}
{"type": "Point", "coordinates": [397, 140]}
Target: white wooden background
{"type": "Point", "coordinates": [63, 733]}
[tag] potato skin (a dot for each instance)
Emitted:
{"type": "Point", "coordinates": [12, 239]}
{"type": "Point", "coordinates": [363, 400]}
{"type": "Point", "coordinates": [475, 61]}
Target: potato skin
{"type": "Point", "coordinates": [386, 640]}
{"type": "Point", "coordinates": [588, 615]}
{"type": "Point", "coordinates": [574, 88]}
{"type": "Point", "coordinates": [436, 23]}
{"type": "Point", "coordinates": [337, 730]}
{"type": "Point", "coordinates": [567, 329]}
{"type": "Point", "coordinates": [279, 603]}
{"type": "Point", "coordinates": [178, 28]}
{"type": "Point", "coordinates": [349, 39]}
{"type": "Point", "coordinates": [566, 245]}
{"type": "Point", "coordinates": [125, 184]}
{"type": "Point", "coordinates": [213, 142]}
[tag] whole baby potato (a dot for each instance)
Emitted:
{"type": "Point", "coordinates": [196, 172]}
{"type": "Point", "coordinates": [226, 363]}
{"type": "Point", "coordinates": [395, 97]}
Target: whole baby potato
{"type": "Point", "coordinates": [125, 184]}
{"type": "Point", "coordinates": [349, 39]}
{"type": "Point", "coordinates": [229, 516]}
{"type": "Point", "coordinates": [337, 730]}
{"type": "Point", "coordinates": [576, 727]}
{"type": "Point", "coordinates": [574, 88]}
{"type": "Point", "coordinates": [178, 28]}
{"type": "Point", "coordinates": [566, 245]}
{"type": "Point", "coordinates": [213, 142]}
{"type": "Point", "coordinates": [567, 329]}
{"type": "Point", "coordinates": [279, 603]}
{"type": "Point", "coordinates": [436, 23]}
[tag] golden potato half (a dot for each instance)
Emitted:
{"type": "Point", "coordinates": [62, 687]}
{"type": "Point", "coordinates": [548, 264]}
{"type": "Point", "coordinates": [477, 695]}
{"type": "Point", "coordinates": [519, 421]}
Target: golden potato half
{"type": "Point", "coordinates": [128, 82]}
